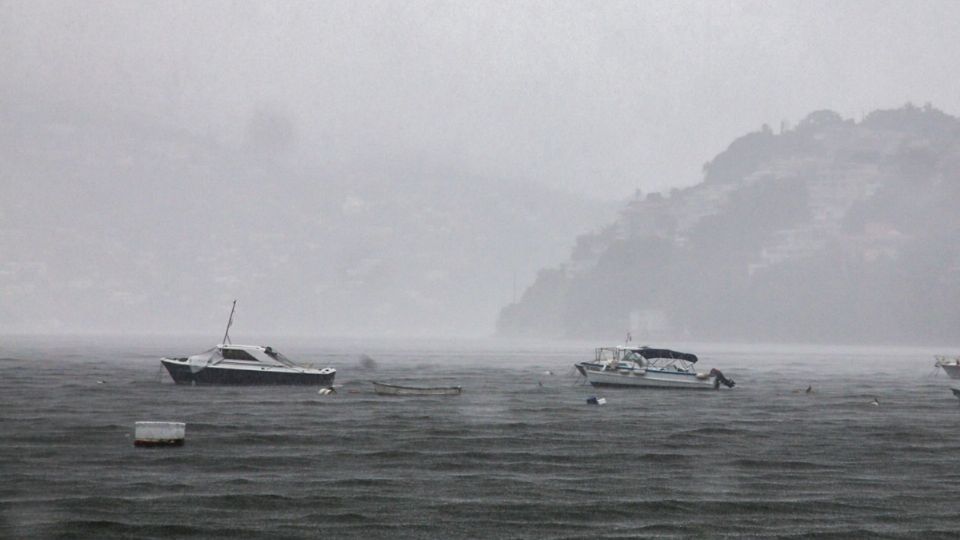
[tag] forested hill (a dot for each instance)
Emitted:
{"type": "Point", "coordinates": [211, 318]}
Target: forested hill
{"type": "Point", "coordinates": [831, 231]}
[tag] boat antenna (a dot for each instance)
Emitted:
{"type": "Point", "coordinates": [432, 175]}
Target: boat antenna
{"type": "Point", "coordinates": [226, 333]}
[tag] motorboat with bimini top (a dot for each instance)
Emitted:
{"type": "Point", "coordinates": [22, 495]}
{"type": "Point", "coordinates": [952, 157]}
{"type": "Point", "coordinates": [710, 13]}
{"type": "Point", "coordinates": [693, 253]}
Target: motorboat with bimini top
{"type": "Point", "coordinates": [229, 364]}
{"type": "Point", "coordinates": [645, 367]}
{"type": "Point", "coordinates": [949, 364]}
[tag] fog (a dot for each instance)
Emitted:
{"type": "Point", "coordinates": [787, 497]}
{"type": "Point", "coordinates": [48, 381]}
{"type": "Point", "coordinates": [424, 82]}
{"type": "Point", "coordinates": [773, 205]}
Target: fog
{"type": "Point", "coordinates": [388, 168]}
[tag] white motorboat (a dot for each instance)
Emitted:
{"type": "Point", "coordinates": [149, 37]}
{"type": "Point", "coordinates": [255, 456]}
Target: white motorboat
{"type": "Point", "coordinates": [244, 365]}
{"type": "Point", "coordinates": [949, 364]}
{"type": "Point", "coordinates": [644, 367]}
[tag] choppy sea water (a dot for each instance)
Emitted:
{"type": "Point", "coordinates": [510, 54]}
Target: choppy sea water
{"type": "Point", "coordinates": [519, 454]}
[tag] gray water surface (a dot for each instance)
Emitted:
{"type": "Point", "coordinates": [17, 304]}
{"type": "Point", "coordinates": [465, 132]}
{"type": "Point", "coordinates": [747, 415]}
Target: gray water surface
{"type": "Point", "coordinates": [519, 454]}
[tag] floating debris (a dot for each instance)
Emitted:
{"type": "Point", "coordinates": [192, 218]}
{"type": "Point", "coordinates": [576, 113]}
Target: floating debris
{"type": "Point", "coordinates": [327, 390]}
{"type": "Point", "coordinates": [159, 434]}
{"type": "Point", "coordinates": [875, 402]}
{"type": "Point", "coordinates": [594, 400]}
{"type": "Point", "coordinates": [366, 362]}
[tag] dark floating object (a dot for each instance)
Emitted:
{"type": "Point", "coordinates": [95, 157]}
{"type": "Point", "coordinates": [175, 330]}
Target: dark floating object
{"type": "Point", "coordinates": [366, 362]}
{"type": "Point", "coordinates": [956, 392]}
{"type": "Point", "coordinates": [719, 379]}
{"type": "Point", "coordinates": [394, 390]}
{"type": "Point", "coordinates": [153, 434]}
{"type": "Point", "coordinates": [594, 400]}
{"type": "Point", "coordinates": [810, 389]}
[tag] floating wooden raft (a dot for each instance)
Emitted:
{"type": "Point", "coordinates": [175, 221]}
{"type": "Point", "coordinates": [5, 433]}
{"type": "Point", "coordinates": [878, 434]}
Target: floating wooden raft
{"type": "Point", "coordinates": [394, 390]}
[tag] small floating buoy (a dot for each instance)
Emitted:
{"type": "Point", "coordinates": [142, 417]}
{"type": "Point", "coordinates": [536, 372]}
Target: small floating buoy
{"type": "Point", "coordinates": [101, 382]}
{"type": "Point", "coordinates": [548, 372]}
{"type": "Point", "coordinates": [327, 390]}
{"type": "Point", "coordinates": [159, 434]}
{"type": "Point", "coordinates": [594, 400]}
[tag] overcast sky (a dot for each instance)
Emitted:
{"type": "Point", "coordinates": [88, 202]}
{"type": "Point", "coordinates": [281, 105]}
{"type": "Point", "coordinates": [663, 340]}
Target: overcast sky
{"type": "Point", "coordinates": [598, 98]}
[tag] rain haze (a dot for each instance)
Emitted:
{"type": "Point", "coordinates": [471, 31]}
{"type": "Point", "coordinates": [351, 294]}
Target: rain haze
{"type": "Point", "coordinates": [387, 168]}
{"type": "Point", "coordinates": [481, 255]}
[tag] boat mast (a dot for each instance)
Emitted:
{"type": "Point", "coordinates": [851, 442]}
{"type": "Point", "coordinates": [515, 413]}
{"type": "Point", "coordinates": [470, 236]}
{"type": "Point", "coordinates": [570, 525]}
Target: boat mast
{"type": "Point", "coordinates": [226, 333]}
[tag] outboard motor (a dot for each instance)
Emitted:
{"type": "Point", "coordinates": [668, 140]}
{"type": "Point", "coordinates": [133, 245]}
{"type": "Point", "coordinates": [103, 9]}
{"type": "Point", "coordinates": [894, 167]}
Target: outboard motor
{"type": "Point", "coordinates": [720, 379]}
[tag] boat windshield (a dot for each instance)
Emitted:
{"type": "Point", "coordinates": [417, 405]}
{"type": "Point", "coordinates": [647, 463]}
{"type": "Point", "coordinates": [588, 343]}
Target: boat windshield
{"type": "Point", "coordinates": [279, 357]}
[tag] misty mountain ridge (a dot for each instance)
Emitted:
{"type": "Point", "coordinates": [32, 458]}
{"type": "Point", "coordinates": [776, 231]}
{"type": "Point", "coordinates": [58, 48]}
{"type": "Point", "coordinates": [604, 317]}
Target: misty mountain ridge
{"type": "Point", "coordinates": [122, 224]}
{"type": "Point", "coordinates": [830, 231]}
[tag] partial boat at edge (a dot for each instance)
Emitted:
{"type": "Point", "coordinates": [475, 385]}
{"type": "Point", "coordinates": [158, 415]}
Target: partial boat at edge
{"type": "Point", "coordinates": [949, 364]}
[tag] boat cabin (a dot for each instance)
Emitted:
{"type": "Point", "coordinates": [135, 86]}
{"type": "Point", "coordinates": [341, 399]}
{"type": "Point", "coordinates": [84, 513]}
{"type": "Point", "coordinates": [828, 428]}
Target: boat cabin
{"type": "Point", "coordinates": [250, 355]}
{"type": "Point", "coordinates": [645, 357]}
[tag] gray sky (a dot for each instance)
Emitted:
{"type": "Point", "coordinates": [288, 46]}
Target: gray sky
{"type": "Point", "coordinates": [597, 98]}
{"type": "Point", "coordinates": [392, 167]}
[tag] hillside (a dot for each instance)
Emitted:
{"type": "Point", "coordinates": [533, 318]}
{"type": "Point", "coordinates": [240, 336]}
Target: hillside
{"type": "Point", "coordinates": [833, 231]}
{"type": "Point", "coordinates": [123, 224]}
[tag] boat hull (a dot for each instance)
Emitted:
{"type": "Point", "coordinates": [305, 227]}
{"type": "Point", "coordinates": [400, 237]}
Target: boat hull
{"type": "Point", "coordinates": [394, 390]}
{"type": "Point", "coordinates": [952, 370]}
{"type": "Point", "coordinates": [648, 379]}
{"type": "Point", "coordinates": [181, 373]}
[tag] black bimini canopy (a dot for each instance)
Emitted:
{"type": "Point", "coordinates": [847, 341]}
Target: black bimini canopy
{"type": "Point", "coordinates": [667, 353]}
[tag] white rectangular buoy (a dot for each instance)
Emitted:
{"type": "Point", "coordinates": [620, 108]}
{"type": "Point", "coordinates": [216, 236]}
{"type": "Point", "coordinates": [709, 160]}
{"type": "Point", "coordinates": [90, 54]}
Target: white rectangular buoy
{"type": "Point", "coordinates": [159, 434]}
